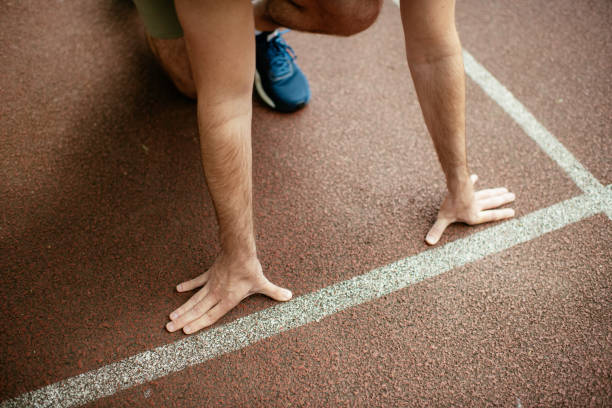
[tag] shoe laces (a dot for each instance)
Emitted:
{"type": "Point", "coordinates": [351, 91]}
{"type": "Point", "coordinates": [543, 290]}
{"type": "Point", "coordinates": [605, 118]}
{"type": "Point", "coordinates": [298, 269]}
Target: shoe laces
{"type": "Point", "coordinates": [280, 54]}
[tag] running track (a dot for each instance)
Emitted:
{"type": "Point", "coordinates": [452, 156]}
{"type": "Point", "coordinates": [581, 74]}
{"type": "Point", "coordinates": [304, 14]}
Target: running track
{"type": "Point", "coordinates": [103, 213]}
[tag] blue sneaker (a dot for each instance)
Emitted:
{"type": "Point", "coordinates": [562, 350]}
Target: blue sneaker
{"type": "Point", "coordinates": [279, 82]}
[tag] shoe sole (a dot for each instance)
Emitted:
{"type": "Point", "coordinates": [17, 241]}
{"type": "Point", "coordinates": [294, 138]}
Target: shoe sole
{"type": "Point", "coordinates": [262, 94]}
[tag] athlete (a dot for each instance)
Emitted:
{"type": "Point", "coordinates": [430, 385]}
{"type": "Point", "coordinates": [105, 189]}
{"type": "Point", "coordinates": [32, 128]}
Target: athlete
{"type": "Point", "coordinates": [208, 49]}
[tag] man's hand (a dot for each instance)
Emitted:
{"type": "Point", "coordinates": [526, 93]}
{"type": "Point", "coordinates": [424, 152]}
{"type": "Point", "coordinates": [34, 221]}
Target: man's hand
{"type": "Point", "coordinates": [224, 285]}
{"type": "Point", "coordinates": [471, 208]}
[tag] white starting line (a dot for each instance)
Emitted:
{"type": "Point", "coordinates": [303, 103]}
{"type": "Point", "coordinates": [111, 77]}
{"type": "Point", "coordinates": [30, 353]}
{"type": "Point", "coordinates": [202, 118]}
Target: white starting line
{"type": "Point", "coordinates": [196, 349]}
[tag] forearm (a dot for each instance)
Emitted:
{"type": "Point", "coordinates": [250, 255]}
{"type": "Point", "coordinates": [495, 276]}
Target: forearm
{"type": "Point", "coordinates": [434, 56]}
{"type": "Point", "coordinates": [226, 157]}
{"type": "Point", "coordinates": [219, 39]}
{"type": "Point", "coordinates": [440, 86]}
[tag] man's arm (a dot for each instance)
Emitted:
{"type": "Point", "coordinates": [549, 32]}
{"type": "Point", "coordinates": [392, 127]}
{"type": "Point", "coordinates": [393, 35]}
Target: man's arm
{"type": "Point", "coordinates": [435, 59]}
{"type": "Point", "coordinates": [219, 39]}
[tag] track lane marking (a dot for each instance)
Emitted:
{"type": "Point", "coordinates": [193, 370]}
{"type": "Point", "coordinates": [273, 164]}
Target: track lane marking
{"type": "Point", "coordinates": [531, 126]}
{"type": "Point", "coordinates": [196, 349]}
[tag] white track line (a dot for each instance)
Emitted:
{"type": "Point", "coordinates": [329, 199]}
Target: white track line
{"type": "Point", "coordinates": [196, 349]}
{"type": "Point", "coordinates": [170, 358]}
{"type": "Point", "coordinates": [534, 129]}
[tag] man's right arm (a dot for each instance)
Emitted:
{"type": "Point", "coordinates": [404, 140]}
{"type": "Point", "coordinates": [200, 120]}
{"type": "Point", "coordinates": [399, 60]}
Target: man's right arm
{"type": "Point", "coordinates": [219, 36]}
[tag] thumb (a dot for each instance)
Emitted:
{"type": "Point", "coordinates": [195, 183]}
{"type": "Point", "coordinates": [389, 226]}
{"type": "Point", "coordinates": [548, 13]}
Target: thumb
{"type": "Point", "coordinates": [275, 292]}
{"type": "Point", "coordinates": [434, 234]}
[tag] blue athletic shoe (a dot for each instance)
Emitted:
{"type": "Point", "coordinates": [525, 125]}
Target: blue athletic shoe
{"type": "Point", "coordinates": [279, 82]}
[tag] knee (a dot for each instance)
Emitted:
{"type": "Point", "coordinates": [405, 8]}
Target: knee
{"type": "Point", "coordinates": [186, 86]}
{"type": "Point", "coordinates": [336, 17]}
{"type": "Point", "coordinates": [172, 57]}
{"type": "Point", "coordinates": [348, 17]}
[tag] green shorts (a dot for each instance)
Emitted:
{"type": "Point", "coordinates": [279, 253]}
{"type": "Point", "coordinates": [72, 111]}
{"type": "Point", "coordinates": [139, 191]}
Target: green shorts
{"type": "Point", "coordinates": [159, 18]}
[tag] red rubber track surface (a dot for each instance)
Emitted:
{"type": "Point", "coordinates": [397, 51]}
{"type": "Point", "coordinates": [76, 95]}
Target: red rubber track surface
{"type": "Point", "coordinates": [104, 210]}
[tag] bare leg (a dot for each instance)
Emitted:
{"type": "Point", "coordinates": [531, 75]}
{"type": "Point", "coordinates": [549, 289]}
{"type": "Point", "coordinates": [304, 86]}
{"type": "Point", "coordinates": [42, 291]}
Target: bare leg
{"type": "Point", "coordinates": [263, 22]}
{"type": "Point", "coordinates": [336, 17]}
{"type": "Point", "coordinates": [172, 56]}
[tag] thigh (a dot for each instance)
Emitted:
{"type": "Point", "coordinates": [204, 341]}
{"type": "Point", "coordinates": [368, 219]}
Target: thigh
{"type": "Point", "coordinates": [159, 17]}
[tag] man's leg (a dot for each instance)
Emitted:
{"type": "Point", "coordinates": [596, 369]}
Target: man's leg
{"type": "Point", "coordinates": [171, 54]}
{"type": "Point", "coordinates": [335, 17]}
{"type": "Point", "coordinates": [165, 38]}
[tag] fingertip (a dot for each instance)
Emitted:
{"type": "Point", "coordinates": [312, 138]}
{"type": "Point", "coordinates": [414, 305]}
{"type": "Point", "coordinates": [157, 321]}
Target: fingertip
{"type": "Point", "coordinates": [512, 213]}
{"type": "Point", "coordinates": [430, 240]}
{"type": "Point", "coordinates": [286, 295]}
{"type": "Point", "coordinates": [276, 292]}
{"type": "Point", "coordinates": [474, 178]}
{"type": "Point", "coordinates": [170, 327]}
{"type": "Point", "coordinates": [280, 294]}
{"type": "Point", "coordinates": [174, 315]}
{"type": "Point", "coordinates": [183, 287]}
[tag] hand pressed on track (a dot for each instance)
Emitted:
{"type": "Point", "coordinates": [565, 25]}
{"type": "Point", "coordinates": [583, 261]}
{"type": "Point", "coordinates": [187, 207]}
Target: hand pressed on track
{"type": "Point", "coordinates": [224, 285]}
{"type": "Point", "coordinates": [471, 208]}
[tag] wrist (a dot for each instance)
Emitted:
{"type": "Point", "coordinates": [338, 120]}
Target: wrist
{"type": "Point", "coordinates": [242, 255]}
{"type": "Point", "coordinates": [458, 180]}
{"type": "Point", "coordinates": [238, 237]}
{"type": "Point", "coordinates": [238, 265]}
{"type": "Point", "coordinates": [238, 261]}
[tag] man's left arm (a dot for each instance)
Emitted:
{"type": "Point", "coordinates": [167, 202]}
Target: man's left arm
{"type": "Point", "coordinates": [435, 59]}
